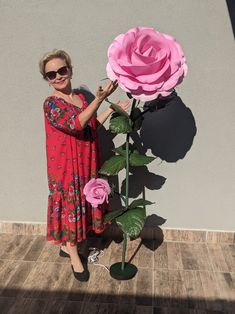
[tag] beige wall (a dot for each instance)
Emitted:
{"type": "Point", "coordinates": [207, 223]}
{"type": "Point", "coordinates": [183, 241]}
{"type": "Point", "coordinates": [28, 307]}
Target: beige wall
{"type": "Point", "coordinates": [199, 190]}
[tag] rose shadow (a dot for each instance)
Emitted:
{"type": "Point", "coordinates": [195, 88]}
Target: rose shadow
{"type": "Point", "coordinates": [168, 128]}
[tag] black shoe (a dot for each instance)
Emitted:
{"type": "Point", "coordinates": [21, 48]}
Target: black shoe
{"type": "Point", "coordinates": [63, 253]}
{"type": "Point", "coordinates": [81, 276]}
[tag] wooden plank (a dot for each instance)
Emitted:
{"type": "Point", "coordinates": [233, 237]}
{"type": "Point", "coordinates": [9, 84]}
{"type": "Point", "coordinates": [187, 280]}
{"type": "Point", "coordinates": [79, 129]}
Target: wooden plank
{"type": "Point", "coordinates": [99, 308]}
{"type": "Point", "coordinates": [229, 255]}
{"type": "Point", "coordinates": [133, 249]}
{"type": "Point", "coordinates": [175, 310]}
{"type": "Point", "coordinates": [102, 288]}
{"type": "Point", "coordinates": [2, 263]}
{"type": "Point", "coordinates": [127, 291]}
{"type": "Point", "coordinates": [210, 290]}
{"type": "Point", "coordinates": [17, 247]}
{"type": "Point", "coordinates": [177, 290]}
{"type": "Point", "coordinates": [36, 249]}
{"type": "Point", "coordinates": [195, 256]}
{"type": "Point", "coordinates": [194, 289]}
{"type": "Point", "coordinates": [55, 307]}
{"type": "Point", "coordinates": [220, 237]}
{"type": "Point", "coordinates": [71, 307]}
{"type": "Point", "coordinates": [162, 291]}
{"type": "Point", "coordinates": [50, 253]}
{"type": "Point", "coordinates": [226, 288]}
{"type": "Point", "coordinates": [14, 285]}
{"type": "Point", "coordinates": [28, 306]}
{"type": "Point", "coordinates": [78, 290]}
{"type": "Point", "coordinates": [116, 253]}
{"type": "Point", "coordinates": [174, 256]}
{"type": "Point", "coordinates": [126, 308]}
{"type": "Point", "coordinates": [217, 257]}
{"type": "Point", "coordinates": [160, 257]}
{"type": "Point", "coordinates": [5, 240]}
{"type": "Point", "coordinates": [7, 272]}
{"type": "Point", "coordinates": [64, 282]}
{"type": "Point", "coordinates": [5, 304]}
{"type": "Point", "coordinates": [189, 259]}
{"type": "Point", "coordinates": [144, 287]}
{"type": "Point", "coordinates": [145, 257]}
{"type": "Point", "coordinates": [46, 279]}
{"type": "Point", "coordinates": [140, 309]}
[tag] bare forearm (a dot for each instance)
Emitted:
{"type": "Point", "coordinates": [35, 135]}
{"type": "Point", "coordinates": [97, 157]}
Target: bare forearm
{"type": "Point", "coordinates": [101, 94]}
{"type": "Point", "coordinates": [102, 117]}
{"type": "Point", "coordinates": [86, 115]}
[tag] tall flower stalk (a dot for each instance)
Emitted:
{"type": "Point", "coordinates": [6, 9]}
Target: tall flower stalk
{"type": "Point", "coordinates": [147, 64]}
{"type": "Point", "coordinates": [127, 189]}
{"type": "Point", "coordinates": [131, 217]}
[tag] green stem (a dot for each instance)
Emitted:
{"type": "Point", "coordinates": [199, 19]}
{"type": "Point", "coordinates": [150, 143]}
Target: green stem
{"type": "Point", "coordinates": [124, 250]}
{"type": "Point", "coordinates": [127, 170]}
{"type": "Point", "coordinates": [127, 190]}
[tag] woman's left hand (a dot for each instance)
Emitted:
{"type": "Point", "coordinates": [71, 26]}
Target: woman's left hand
{"type": "Point", "coordinates": [104, 92]}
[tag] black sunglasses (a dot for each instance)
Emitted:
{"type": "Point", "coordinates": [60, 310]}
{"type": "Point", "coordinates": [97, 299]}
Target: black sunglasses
{"type": "Point", "coordinates": [51, 75]}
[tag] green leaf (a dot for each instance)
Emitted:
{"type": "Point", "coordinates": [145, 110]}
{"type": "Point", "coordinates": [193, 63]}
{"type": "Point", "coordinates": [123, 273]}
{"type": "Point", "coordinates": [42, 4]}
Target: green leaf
{"type": "Point", "coordinates": [113, 165]}
{"type": "Point", "coordinates": [120, 124]}
{"type": "Point", "coordinates": [121, 150]}
{"type": "Point", "coordinates": [112, 215]}
{"type": "Point", "coordinates": [137, 159]}
{"type": "Point", "coordinates": [140, 202]}
{"type": "Point", "coordinates": [132, 221]}
{"type": "Point", "coordinates": [137, 119]}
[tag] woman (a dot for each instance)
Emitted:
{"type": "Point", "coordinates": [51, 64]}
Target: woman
{"type": "Point", "coordinates": [72, 157]}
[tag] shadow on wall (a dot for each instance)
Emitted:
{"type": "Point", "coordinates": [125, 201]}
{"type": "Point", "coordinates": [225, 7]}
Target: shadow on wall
{"type": "Point", "coordinates": [231, 11]}
{"type": "Point", "coordinates": [168, 130]}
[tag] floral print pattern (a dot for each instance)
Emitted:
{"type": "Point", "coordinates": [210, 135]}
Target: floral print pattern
{"type": "Point", "coordinates": [72, 160]}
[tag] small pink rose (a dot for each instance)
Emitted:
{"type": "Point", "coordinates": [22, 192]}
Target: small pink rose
{"type": "Point", "coordinates": [97, 191]}
{"type": "Point", "coordinates": [146, 63]}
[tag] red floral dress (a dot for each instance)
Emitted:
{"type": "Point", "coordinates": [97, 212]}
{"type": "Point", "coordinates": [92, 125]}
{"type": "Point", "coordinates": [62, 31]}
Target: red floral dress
{"type": "Point", "coordinates": [72, 160]}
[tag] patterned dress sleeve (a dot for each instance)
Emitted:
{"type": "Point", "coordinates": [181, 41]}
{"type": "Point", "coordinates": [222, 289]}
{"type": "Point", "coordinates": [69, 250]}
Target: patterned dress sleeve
{"type": "Point", "coordinates": [62, 116]}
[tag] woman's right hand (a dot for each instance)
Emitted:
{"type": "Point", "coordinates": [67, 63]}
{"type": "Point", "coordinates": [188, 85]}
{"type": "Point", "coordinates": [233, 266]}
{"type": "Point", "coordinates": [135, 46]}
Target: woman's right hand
{"type": "Point", "coordinates": [104, 92]}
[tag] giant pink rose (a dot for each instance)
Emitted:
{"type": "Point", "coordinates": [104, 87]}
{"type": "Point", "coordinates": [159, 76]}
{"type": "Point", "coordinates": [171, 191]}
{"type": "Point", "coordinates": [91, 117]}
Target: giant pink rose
{"type": "Point", "coordinates": [97, 191]}
{"type": "Point", "coordinates": [146, 63]}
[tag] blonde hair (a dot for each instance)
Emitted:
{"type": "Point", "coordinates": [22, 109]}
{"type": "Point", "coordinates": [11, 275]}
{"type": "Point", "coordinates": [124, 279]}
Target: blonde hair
{"type": "Point", "coordinates": [55, 53]}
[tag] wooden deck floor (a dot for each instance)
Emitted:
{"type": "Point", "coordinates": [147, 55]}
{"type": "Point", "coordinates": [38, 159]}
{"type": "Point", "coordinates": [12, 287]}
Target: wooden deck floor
{"type": "Point", "coordinates": [176, 277]}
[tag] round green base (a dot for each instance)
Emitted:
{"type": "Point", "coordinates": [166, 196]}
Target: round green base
{"type": "Point", "coordinates": [129, 272]}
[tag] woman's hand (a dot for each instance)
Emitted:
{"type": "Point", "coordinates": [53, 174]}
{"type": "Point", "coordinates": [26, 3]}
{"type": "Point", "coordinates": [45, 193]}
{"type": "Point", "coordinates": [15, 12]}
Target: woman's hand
{"type": "Point", "coordinates": [105, 114]}
{"type": "Point", "coordinates": [123, 105]}
{"type": "Point", "coordinates": [104, 92]}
